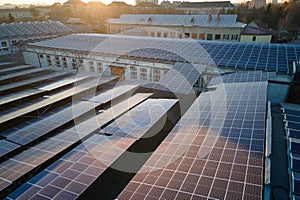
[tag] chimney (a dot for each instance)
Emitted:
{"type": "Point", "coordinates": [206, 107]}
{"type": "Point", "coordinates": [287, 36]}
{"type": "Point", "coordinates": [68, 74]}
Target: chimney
{"type": "Point", "coordinates": [209, 18]}
{"type": "Point", "coordinates": [218, 18]}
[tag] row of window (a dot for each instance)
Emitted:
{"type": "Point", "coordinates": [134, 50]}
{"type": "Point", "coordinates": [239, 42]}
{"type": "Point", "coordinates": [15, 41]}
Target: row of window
{"type": "Point", "coordinates": [144, 73]}
{"type": "Point", "coordinates": [200, 36]}
{"type": "Point", "coordinates": [154, 73]}
{"type": "Point", "coordinates": [76, 64]}
{"type": "Point", "coordinates": [5, 44]}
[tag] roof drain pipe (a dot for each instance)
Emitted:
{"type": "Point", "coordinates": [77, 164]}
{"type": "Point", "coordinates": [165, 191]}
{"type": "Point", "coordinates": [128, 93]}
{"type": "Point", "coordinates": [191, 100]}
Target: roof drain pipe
{"type": "Point", "coordinates": [268, 149]}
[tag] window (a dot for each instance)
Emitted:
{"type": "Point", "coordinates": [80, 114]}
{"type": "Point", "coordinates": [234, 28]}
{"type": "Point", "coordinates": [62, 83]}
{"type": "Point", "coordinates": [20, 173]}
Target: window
{"type": "Point", "coordinates": [65, 64]}
{"type": "Point", "coordinates": [254, 38]}
{"type": "Point", "coordinates": [209, 36]}
{"type": "Point", "coordinates": [225, 36]}
{"type": "Point", "coordinates": [143, 73]}
{"type": "Point", "coordinates": [152, 34]}
{"type": "Point", "coordinates": [14, 42]}
{"type": "Point", "coordinates": [99, 67]}
{"type": "Point", "coordinates": [156, 75]}
{"type": "Point", "coordinates": [187, 35]}
{"type": "Point", "coordinates": [49, 61]}
{"type": "Point", "coordinates": [57, 61]}
{"type": "Point", "coordinates": [41, 56]}
{"type": "Point", "coordinates": [194, 35]}
{"type": "Point", "coordinates": [165, 34]}
{"type": "Point", "coordinates": [158, 34]}
{"type": "Point", "coordinates": [4, 44]}
{"type": "Point", "coordinates": [81, 67]}
{"type": "Point", "coordinates": [146, 33]}
{"type": "Point", "coordinates": [201, 36]}
{"type": "Point", "coordinates": [217, 37]}
{"type": "Point", "coordinates": [133, 71]}
{"type": "Point", "coordinates": [180, 35]}
{"type": "Point", "coordinates": [91, 66]}
{"type": "Point", "coordinates": [165, 71]}
{"type": "Point", "coordinates": [74, 64]}
{"type": "Point", "coordinates": [172, 34]}
{"type": "Point", "coordinates": [234, 37]}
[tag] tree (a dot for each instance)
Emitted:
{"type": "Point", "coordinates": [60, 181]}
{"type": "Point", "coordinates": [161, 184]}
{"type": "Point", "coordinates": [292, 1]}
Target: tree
{"type": "Point", "coordinates": [10, 18]}
{"type": "Point", "coordinates": [292, 16]}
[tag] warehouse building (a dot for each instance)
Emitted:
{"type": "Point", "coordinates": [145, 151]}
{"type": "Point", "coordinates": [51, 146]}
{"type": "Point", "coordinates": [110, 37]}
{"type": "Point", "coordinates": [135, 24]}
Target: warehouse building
{"type": "Point", "coordinates": [202, 27]}
{"type": "Point", "coordinates": [14, 34]}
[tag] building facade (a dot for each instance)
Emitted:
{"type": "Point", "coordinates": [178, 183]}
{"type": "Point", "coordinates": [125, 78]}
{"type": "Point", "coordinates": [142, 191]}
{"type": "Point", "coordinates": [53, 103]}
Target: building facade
{"type": "Point", "coordinates": [17, 14]}
{"type": "Point", "coordinates": [257, 32]}
{"type": "Point", "coordinates": [202, 27]}
{"type": "Point", "coordinates": [213, 7]}
{"type": "Point", "coordinates": [80, 61]}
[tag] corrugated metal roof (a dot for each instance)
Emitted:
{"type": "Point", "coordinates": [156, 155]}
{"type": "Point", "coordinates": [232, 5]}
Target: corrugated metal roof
{"type": "Point", "coordinates": [179, 20]}
{"type": "Point", "coordinates": [29, 29]}
{"type": "Point", "coordinates": [212, 4]}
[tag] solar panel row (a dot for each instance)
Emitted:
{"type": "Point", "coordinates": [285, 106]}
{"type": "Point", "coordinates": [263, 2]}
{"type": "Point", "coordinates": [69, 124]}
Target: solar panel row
{"type": "Point", "coordinates": [179, 79]}
{"type": "Point", "coordinates": [136, 122]}
{"type": "Point", "coordinates": [14, 68]}
{"type": "Point", "coordinates": [37, 129]}
{"type": "Point", "coordinates": [74, 172]}
{"type": "Point", "coordinates": [291, 114]}
{"type": "Point", "coordinates": [76, 90]}
{"type": "Point", "coordinates": [215, 151]}
{"type": "Point", "coordinates": [20, 84]}
{"type": "Point", "coordinates": [22, 164]}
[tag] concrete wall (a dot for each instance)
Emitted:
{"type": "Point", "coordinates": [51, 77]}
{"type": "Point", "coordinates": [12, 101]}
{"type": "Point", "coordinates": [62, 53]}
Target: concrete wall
{"type": "Point", "coordinates": [231, 34]}
{"type": "Point", "coordinates": [256, 38]}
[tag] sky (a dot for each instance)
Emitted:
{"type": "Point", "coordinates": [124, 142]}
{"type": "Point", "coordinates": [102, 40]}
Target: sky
{"type": "Point", "coordinates": [50, 2]}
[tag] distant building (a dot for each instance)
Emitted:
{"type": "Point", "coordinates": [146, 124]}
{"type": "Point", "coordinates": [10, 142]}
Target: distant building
{"type": "Point", "coordinates": [16, 13]}
{"type": "Point", "coordinates": [137, 2]}
{"type": "Point", "coordinates": [75, 6]}
{"type": "Point", "coordinates": [203, 27]}
{"type": "Point", "coordinates": [257, 32]}
{"type": "Point", "coordinates": [213, 7]}
{"type": "Point", "coordinates": [258, 3]}
{"type": "Point", "coordinates": [11, 35]}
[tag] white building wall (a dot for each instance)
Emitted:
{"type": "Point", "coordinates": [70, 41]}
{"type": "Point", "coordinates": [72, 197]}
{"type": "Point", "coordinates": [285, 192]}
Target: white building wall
{"type": "Point", "coordinates": [175, 32]}
{"type": "Point", "coordinates": [256, 38]}
{"type": "Point", "coordinates": [47, 58]}
{"type": "Point", "coordinates": [31, 58]}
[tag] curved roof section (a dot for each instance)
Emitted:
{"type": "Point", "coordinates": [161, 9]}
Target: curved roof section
{"type": "Point", "coordinates": [260, 56]}
{"type": "Point", "coordinates": [179, 20]}
{"type": "Point", "coordinates": [29, 29]}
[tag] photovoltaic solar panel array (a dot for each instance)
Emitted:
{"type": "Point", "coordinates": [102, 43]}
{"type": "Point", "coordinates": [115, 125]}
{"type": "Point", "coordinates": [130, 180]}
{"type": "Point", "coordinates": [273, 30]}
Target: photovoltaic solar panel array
{"type": "Point", "coordinates": [215, 151]}
{"type": "Point", "coordinates": [73, 173]}
{"type": "Point", "coordinates": [22, 164]}
{"type": "Point", "coordinates": [180, 78]}
{"type": "Point", "coordinates": [31, 29]}
{"type": "Point", "coordinates": [291, 113]}
{"type": "Point", "coordinates": [251, 56]}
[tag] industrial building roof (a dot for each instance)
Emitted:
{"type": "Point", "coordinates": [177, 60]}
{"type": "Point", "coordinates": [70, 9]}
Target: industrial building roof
{"type": "Point", "coordinates": [32, 29]}
{"type": "Point", "coordinates": [179, 20]}
{"type": "Point", "coordinates": [259, 56]}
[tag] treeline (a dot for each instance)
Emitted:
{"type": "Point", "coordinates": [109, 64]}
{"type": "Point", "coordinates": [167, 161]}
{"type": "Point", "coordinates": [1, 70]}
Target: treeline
{"type": "Point", "coordinates": [279, 17]}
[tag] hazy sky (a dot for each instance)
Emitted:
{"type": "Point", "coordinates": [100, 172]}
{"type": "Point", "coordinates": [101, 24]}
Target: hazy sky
{"type": "Point", "coordinates": [63, 1]}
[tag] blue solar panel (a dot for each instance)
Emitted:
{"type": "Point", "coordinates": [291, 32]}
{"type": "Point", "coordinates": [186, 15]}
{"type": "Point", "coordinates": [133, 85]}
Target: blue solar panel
{"type": "Point", "coordinates": [294, 133]}
{"type": "Point", "coordinates": [295, 147]}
